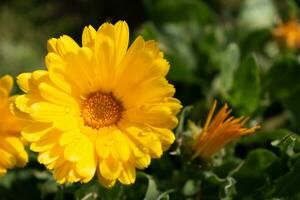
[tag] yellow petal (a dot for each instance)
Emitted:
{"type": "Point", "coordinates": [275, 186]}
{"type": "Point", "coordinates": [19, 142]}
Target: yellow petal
{"type": "Point", "coordinates": [2, 171]}
{"type": "Point", "coordinates": [67, 122]}
{"type": "Point", "coordinates": [46, 142]}
{"type": "Point", "coordinates": [145, 139]}
{"type": "Point", "coordinates": [55, 66]}
{"type": "Point", "coordinates": [66, 173]}
{"type": "Point", "coordinates": [47, 112]}
{"type": "Point", "coordinates": [156, 115]}
{"type": "Point", "coordinates": [87, 165]}
{"type": "Point", "coordinates": [50, 156]}
{"type": "Point", "coordinates": [75, 66]}
{"type": "Point", "coordinates": [127, 175]}
{"type": "Point", "coordinates": [69, 137]}
{"type": "Point", "coordinates": [6, 83]}
{"type": "Point", "coordinates": [142, 160]}
{"type": "Point", "coordinates": [23, 81]}
{"type": "Point", "coordinates": [110, 48]}
{"type": "Point", "coordinates": [166, 137]}
{"type": "Point", "coordinates": [88, 36]}
{"type": "Point", "coordinates": [78, 67]}
{"type": "Point", "coordinates": [7, 160]}
{"type": "Point", "coordinates": [51, 45]}
{"type": "Point", "coordinates": [157, 90]}
{"type": "Point", "coordinates": [106, 182]}
{"type": "Point", "coordinates": [121, 39]}
{"type": "Point", "coordinates": [110, 168]}
{"type": "Point", "coordinates": [3, 97]}
{"type": "Point", "coordinates": [66, 44]}
{"type": "Point", "coordinates": [14, 146]}
{"type": "Point", "coordinates": [72, 151]}
{"type": "Point", "coordinates": [121, 146]}
{"type": "Point", "coordinates": [56, 96]}
{"type": "Point", "coordinates": [144, 54]}
{"type": "Point", "coordinates": [104, 141]}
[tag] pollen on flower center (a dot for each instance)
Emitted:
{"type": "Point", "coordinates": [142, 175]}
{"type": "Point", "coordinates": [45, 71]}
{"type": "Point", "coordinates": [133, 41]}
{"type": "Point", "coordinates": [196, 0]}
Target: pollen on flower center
{"type": "Point", "coordinates": [101, 109]}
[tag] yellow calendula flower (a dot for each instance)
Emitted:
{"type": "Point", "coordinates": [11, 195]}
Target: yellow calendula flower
{"type": "Point", "coordinates": [12, 149]}
{"type": "Point", "coordinates": [101, 108]}
{"type": "Point", "coordinates": [219, 131]}
{"type": "Point", "coordinates": [289, 34]}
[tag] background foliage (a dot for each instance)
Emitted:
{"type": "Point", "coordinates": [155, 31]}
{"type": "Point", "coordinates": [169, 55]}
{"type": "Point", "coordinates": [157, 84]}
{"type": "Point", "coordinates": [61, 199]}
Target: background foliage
{"type": "Point", "coordinates": [221, 49]}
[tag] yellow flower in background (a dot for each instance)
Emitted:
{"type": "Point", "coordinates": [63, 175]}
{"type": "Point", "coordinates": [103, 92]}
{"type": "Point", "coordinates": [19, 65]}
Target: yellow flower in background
{"type": "Point", "coordinates": [101, 108]}
{"type": "Point", "coordinates": [219, 131]}
{"type": "Point", "coordinates": [12, 149]}
{"type": "Point", "coordinates": [289, 34]}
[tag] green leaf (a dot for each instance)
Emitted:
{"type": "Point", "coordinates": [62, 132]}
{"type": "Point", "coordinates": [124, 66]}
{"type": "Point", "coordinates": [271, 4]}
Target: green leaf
{"type": "Point", "coordinates": [165, 195]}
{"type": "Point", "coordinates": [115, 193]}
{"type": "Point", "coordinates": [283, 84]}
{"type": "Point", "coordinates": [246, 86]}
{"type": "Point", "coordinates": [152, 191]}
{"type": "Point", "coordinates": [191, 187]}
{"type": "Point", "coordinates": [286, 144]}
{"type": "Point", "coordinates": [48, 187]}
{"type": "Point", "coordinates": [94, 190]}
{"type": "Point", "coordinates": [293, 106]}
{"type": "Point", "coordinates": [229, 62]}
{"type": "Point", "coordinates": [288, 185]}
{"type": "Point", "coordinates": [255, 40]}
{"type": "Point", "coordinates": [88, 192]}
{"type": "Point", "coordinates": [182, 119]}
{"type": "Point", "coordinates": [282, 81]}
{"type": "Point", "coordinates": [250, 176]}
{"type": "Point", "coordinates": [226, 185]}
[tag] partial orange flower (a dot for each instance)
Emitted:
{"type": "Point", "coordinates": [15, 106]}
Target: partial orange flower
{"type": "Point", "coordinates": [289, 34]}
{"type": "Point", "coordinates": [12, 149]}
{"type": "Point", "coordinates": [219, 131]}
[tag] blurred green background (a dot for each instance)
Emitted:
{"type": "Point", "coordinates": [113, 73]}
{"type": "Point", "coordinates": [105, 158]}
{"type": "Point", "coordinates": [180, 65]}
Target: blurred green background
{"type": "Point", "coordinates": [218, 49]}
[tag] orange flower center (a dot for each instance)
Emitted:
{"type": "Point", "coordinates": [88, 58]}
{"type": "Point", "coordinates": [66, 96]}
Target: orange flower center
{"type": "Point", "coordinates": [101, 109]}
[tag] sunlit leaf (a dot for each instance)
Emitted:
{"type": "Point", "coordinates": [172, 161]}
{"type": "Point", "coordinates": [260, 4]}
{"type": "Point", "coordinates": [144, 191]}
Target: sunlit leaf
{"type": "Point", "coordinates": [229, 62]}
{"type": "Point", "coordinates": [257, 14]}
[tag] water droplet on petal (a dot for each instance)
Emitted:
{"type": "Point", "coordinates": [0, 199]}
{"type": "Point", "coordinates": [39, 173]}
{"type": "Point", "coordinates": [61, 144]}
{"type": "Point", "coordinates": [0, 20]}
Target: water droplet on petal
{"type": "Point", "coordinates": [145, 149]}
{"type": "Point", "coordinates": [154, 137]}
{"type": "Point", "coordinates": [143, 134]}
{"type": "Point", "coordinates": [77, 137]}
{"type": "Point", "coordinates": [67, 110]}
{"type": "Point", "coordinates": [109, 142]}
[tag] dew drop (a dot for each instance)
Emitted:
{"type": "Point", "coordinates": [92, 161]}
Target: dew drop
{"type": "Point", "coordinates": [109, 142]}
{"type": "Point", "coordinates": [67, 110]}
{"type": "Point", "coordinates": [77, 137]}
{"type": "Point", "coordinates": [154, 137]}
{"type": "Point", "coordinates": [143, 134]}
{"type": "Point", "coordinates": [145, 149]}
